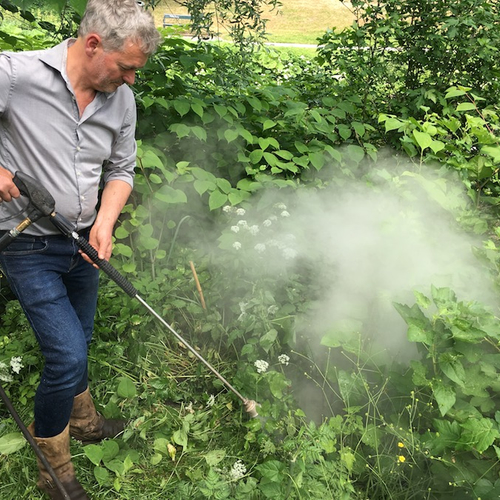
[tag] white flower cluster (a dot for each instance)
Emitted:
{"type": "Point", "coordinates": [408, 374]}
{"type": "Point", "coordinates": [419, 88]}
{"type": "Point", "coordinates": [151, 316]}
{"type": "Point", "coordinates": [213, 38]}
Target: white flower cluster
{"type": "Point", "coordinates": [228, 209]}
{"type": "Point", "coordinates": [238, 470]}
{"type": "Point", "coordinates": [261, 366]}
{"type": "Point", "coordinates": [211, 401]}
{"type": "Point", "coordinates": [15, 366]}
{"type": "Point", "coordinates": [244, 227]}
{"type": "Point", "coordinates": [284, 359]}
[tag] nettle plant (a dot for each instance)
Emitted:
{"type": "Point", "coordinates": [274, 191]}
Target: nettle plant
{"type": "Point", "coordinates": [459, 372]}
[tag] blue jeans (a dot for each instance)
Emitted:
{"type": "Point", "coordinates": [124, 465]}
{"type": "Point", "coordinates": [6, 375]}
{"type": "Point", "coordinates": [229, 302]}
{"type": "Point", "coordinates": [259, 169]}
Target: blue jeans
{"type": "Point", "coordinates": [57, 290]}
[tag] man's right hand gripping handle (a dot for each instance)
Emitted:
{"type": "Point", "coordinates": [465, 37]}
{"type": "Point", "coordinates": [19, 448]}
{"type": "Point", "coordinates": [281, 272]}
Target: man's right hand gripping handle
{"type": "Point", "coordinates": [8, 189]}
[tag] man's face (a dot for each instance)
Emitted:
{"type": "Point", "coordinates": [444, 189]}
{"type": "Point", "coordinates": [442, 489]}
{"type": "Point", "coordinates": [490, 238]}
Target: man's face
{"type": "Point", "coordinates": [112, 69]}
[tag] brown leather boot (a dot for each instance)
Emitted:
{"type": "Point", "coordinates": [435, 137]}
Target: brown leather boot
{"type": "Point", "coordinates": [89, 426]}
{"type": "Point", "coordinates": [56, 451]}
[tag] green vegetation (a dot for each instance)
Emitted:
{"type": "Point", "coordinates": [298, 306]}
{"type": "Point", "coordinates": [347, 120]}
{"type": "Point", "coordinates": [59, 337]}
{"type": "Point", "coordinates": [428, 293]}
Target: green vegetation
{"type": "Point", "coordinates": [264, 171]}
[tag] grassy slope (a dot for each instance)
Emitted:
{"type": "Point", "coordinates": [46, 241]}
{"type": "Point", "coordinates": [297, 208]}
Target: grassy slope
{"type": "Point", "coordinates": [296, 21]}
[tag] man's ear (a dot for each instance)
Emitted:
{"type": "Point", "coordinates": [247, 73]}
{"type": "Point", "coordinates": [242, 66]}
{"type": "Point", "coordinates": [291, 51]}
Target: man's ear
{"type": "Point", "coordinates": [92, 42]}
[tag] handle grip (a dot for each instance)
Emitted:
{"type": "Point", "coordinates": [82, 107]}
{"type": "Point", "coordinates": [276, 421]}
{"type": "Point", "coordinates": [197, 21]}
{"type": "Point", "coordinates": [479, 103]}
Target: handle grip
{"type": "Point", "coordinates": [106, 267]}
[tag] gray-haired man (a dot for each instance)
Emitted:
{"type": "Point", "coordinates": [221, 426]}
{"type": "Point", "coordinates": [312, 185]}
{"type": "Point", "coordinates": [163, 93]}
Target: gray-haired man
{"type": "Point", "coordinates": [68, 120]}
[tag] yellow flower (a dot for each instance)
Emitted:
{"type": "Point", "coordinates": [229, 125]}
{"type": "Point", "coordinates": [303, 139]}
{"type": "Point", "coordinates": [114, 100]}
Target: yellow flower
{"type": "Point", "coordinates": [401, 458]}
{"type": "Point", "coordinates": [401, 445]}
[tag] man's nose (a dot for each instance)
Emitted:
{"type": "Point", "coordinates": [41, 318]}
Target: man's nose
{"type": "Point", "coordinates": [129, 77]}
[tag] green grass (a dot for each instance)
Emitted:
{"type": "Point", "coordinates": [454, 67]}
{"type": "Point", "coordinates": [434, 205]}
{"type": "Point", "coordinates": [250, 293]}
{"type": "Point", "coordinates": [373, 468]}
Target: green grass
{"type": "Point", "coordinates": [296, 21]}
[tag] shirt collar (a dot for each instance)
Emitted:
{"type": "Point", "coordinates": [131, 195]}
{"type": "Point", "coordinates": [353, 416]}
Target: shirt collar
{"type": "Point", "coordinates": [56, 58]}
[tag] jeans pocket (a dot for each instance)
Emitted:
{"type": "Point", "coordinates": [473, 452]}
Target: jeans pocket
{"type": "Point", "coordinates": [25, 245]}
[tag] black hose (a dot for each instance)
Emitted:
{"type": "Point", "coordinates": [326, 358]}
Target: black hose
{"type": "Point", "coordinates": [32, 442]}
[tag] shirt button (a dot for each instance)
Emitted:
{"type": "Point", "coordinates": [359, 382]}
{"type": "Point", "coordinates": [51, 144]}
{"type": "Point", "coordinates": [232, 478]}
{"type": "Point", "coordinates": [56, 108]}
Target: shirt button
{"type": "Point", "coordinates": [78, 148]}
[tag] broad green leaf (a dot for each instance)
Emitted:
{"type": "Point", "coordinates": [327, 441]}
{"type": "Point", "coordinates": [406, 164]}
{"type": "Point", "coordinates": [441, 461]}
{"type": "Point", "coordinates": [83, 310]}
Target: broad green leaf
{"type": "Point", "coordinates": [117, 466]}
{"type": "Point", "coordinates": [198, 109]}
{"type": "Point", "coordinates": [200, 132]}
{"type": "Point", "coordinates": [121, 232]}
{"type": "Point", "coordinates": [454, 92]}
{"type": "Point", "coordinates": [267, 340]}
{"type": "Point", "coordinates": [479, 434]}
{"type": "Point", "coordinates": [180, 129]}
{"type": "Point", "coordinates": [202, 174]}
{"type": "Point", "coordinates": [317, 159]}
{"type": "Point", "coordinates": [268, 124]}
{"type": "Point", "coordinates": [355, 153]}
{"type": "Point", "coordinates": [301, 147]}
{"type": "Point", "coordinates": [445, 397]}
{"type": "Point", "coordinates": [437, 146]}
{"type": "Point", "coordinates": [231, 135]}
{"type": "Point", "coordinates": [236, 196]}
{"type": "Point", "coordinates": [452, 368]}
{"type": "Point", "coordinates": [126, 388]}
{"type": "Point", "coordinates": [348, 458]}
{"type": "Point", "coordinates": [372, 435]}
{"type": "Point", "coordinates": [11, 443]}
{"type": "Point", "coordinates": [129, 267]}
{"type": "Point", "coordinates": [214, 457]}
{"type": "Point", "coordinates": [156, 459]}
{"type": "Point", "coordinates": [446, 437]}
{"type": "Point", "coordinates": [419, 374]}
{"type": "Point", "coordinates": [246, 135]}
{"type": "Point", "coordinates": [272, 470]}
{"type": "Point", "coordinates": [224, 185]}
{"type": "Point", "coordinates": [392, 124]}
{"type": "Point", "coordinates": [216, 199]}
{"type": "Point", "coordinates": [492, 151]}
{"type": "Point", "coordinates": [255, 103]}
{"type": "Point", "coordinates": [344, 131]}
{"type": "Point", "coordinates": [256, 155]}
{"type": "Point", "coordinates": [155, 179]}
{"type": "Point", "coordinates": [168, 194]}
{"type": "Point", "coordinates": [270, 159]}
{"type": "Point", "coordinates": [94, 453]}
{"type": "Point", "coordinates": [466, 106]}
{"type": "Point", "coordinates": [203, 186]}
{"type": "Point", "coordinates": [443, 297]}
{"type": "Point", "coordinates": [182, 107]}
{"type": "Point", "coordinates": [110, 450]}
{"type": "Point", "coordinates": [79, 6]}
{"type": "Point", "coordinates": [283, 153]}
{"type": "Point", "coordinates": [121, 249]}
{"type": "Point", "coordinates": [180, 437]}
{"type": "Point", "coordinates": [417, 333]}
{"type": "Point", "coordinates": [264, 142]}
{"type": "Point", "coordinates": [277, 383]}
{"type": "Point", "coordinates": [359, 128]}
{"type": "Point", "coordinates": [150, 160]}
{"type": "Point", "coordinates": [423, 139]}
{"type": "Point", "coordinates": [221, 110]}
{"type": "Point", "coordinates": [101, 474]}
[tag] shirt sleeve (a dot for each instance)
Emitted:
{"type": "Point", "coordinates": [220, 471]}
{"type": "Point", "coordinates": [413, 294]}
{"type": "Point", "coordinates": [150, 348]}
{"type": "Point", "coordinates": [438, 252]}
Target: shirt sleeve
{"type": "Point", "coordinates": [5, 81]}
{"type": "Point", "coordinates": [122, 161]}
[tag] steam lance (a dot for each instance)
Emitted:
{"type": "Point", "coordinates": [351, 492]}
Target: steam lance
{"type": "Point", "coordinates": [42, 204]}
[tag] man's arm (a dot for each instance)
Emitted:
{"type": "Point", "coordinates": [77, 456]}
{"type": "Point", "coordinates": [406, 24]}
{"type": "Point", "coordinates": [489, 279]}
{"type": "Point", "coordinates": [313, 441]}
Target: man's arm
{"type": "Point", "coordinates": [114, 196]}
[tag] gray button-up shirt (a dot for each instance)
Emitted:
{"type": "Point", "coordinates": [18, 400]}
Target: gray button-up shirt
{"type": "Point", "coordinates": [43, 135]}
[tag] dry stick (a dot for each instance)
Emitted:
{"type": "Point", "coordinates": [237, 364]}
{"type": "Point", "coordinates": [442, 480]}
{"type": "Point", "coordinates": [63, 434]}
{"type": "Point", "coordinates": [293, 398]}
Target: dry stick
{"type": "Point", "coordinates": [198, 286]}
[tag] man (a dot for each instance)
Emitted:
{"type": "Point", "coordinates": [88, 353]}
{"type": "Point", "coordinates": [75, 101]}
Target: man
{"type": "Point", "coordinates": [66, 117]}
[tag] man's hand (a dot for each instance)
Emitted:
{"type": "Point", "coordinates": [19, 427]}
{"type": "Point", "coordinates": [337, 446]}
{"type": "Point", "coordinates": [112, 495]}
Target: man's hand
{"type": "Point", "coordinates": [114, 197]}
{"type": "Point", "coordinates": [8, 189]}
